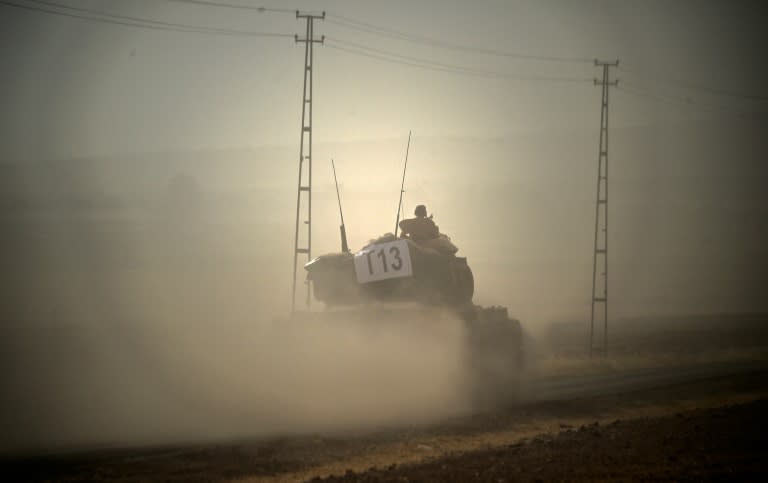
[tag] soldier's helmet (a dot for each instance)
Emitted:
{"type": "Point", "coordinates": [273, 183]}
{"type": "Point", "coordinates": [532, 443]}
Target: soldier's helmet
{"type": "Point", "coordinates": [420, 210]}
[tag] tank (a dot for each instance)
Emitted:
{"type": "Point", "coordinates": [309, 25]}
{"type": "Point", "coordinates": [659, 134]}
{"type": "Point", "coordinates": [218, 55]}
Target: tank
{"type": "Point", "coordinates": [391, 269]}
{"type": "Point", "coordinates": [394, 276]}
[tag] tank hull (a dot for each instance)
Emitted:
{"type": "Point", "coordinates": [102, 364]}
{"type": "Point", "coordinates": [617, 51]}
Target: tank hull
{"type": "Point", "coordinates": [437, 286]}
{"type": "Point", "coordinates": [436, 279]}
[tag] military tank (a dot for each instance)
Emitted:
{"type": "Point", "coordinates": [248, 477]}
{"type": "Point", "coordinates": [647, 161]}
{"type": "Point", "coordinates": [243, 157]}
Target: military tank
{"type": "Point", "coordinates": [396, 276]}
{"type": "Point", "coordinates": [391, 269]}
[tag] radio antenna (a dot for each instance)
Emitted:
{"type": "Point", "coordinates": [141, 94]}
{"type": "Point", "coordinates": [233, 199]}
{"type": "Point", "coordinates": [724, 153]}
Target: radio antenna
{"type": "Point", "coordinates": [344, 246]}
{"type": "Point", "coordinates": [402, 184]}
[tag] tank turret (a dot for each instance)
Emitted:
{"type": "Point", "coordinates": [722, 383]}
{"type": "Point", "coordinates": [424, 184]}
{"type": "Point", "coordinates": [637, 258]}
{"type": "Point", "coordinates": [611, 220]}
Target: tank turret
{"type": "Point", "coordinates": [392, 269]}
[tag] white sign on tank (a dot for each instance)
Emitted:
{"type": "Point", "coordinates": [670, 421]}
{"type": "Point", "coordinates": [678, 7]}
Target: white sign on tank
{"type": "Point", "coordinates": [383, 261]}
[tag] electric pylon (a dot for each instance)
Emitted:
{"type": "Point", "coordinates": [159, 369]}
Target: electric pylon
{"type": "Point", "coordinates": [600, 254]}
{"type": "Point", "coordinates": [305, 153]}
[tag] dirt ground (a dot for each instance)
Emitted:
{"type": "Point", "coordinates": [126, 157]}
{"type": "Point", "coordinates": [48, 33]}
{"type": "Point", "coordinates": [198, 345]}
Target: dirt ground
{"type": "Point", "coordinates": [704, 430]}
{"type": "Point", "coordinates": [720, 444]}
{"type": "Point", "coordinates": [703, 425]}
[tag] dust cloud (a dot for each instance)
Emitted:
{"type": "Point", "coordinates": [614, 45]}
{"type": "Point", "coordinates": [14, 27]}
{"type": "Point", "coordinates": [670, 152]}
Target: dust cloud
{"type": "Point", "coordinates": [210, 380]}
{"type": "Point", "coordinates": [148, 305]}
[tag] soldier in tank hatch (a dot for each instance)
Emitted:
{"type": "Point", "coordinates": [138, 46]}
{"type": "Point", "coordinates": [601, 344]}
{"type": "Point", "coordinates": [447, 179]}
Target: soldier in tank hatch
{"type": "Point", "coordinates": [421, 228]}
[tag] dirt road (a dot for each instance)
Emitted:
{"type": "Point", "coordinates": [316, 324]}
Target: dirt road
{"type": "Point", "coordinates": [554, 439]}
{"type": "Point", "coordinates": [720, 444]}
{"type": "Point", "coordinates": [673, 403]}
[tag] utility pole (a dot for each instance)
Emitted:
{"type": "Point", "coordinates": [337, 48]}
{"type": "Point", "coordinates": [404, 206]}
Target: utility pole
{"type": "Point", "coordinates": [305, 153]}
{"type": "Point", "coordinates": [600, 254]}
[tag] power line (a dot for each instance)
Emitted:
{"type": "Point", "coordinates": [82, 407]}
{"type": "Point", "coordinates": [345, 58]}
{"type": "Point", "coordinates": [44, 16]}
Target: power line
{"type": "Point", "coordinates": [347, 22]}
{"type": "Point", "coordinates": [395, 61]}
{"type": "Point", "coordinates": [406, 58]}
{"type": "Point", "coordinates": [116, 19]}
{"type": "Point", "coordinates": [687, 101]}
{"type": "Point", "coordinates": [136, 19]}
{"type": "Point", "coordinates": [454, 70]}
{"type": "Point", "coordinates": [235, 6]}
{"type": "Point", "coordinates": [350, 23]}
{"type": "Point", "coordinates": [699, 87]}
{"type": "Point", "coordinates": [684, 103]}
{"type": "Point", "coordinates": [392, 57]}
{"type": "Point", "coordinates": [647, 95]}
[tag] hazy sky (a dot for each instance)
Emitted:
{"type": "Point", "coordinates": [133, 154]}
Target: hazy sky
{"type": "Point", "coordinates": [134, 122]}
{"type": "Point", "coordinates": [74, 88]}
